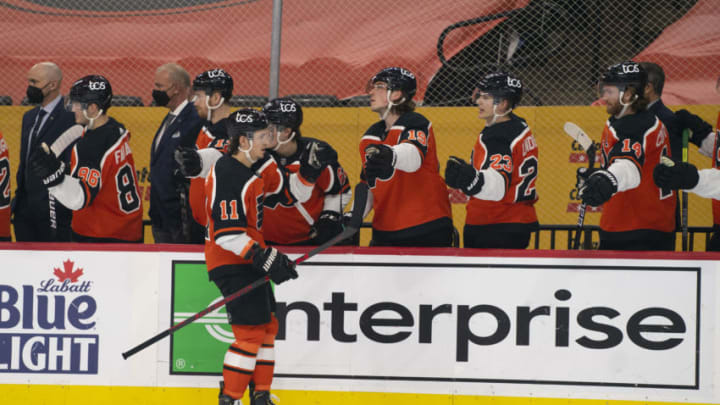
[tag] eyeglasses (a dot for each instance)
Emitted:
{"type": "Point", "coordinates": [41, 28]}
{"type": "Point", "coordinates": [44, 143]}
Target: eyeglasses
{"type": "Point", "coordinates": [375, 86]}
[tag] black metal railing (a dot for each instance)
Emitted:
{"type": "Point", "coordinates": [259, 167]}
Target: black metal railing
{"type": "Point", "coordinates": [567, 232]}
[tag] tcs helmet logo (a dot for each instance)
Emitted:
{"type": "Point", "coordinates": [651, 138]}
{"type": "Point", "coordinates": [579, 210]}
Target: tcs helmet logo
{"type": "Point", "coordinates": [96, 85]}
{"type": "Point", "coordinates": [512, 82]}
{"type": "Point", "coordinates": [634, 68]}
{"type": "Point", "coordinates": [287, 107]}
{"type": "Point", "coordinates": [407, 73]}
{"type": "Point", "coordinates": [244, 118]}
{"type": "Point", "coordinates": [216, 73]}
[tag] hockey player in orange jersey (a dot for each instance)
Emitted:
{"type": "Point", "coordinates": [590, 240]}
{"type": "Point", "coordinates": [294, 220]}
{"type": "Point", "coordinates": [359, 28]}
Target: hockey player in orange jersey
{"type": "Point", "coordinates": [236, 255]}
{"type": "Point", "coordinates": [401, 167]}
{"type": "Point", "coordinates": [637, 215]}
{"type": "Point", "coordinates": [501, 178]}
{"type": "Point", "coordinates": [101, 183]}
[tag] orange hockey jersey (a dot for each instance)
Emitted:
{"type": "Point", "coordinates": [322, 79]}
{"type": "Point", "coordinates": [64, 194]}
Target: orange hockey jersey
{"type": "Point", "coordinates": [103, 162]}
{"type": "Point", "coordinates": [4, 190]}
{"type": "Point", "coordinates": [510, 149]}
{"type": "Point", "coordinates": [642, 139]}
{"type": "Point", "coordinates": [407, 199]}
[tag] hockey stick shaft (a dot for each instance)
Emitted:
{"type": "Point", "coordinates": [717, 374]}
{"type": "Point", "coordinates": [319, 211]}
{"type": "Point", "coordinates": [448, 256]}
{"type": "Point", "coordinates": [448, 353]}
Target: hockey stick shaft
{"type": "Point", "coordinates": [685, 246]}
{"type": "Point", "coordinates": [583, 207]}
{"type": "Point", "coordinates": [361, 191]}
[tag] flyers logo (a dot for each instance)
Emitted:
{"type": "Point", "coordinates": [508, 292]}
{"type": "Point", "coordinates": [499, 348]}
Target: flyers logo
{"type": "Point", "coordinates": [96, 86]}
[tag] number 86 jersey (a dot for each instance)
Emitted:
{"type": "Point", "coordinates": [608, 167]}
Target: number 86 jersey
{"type": "Point", "coordinates": [509, 149]}
{"type": "Point", "coordinates": [104, 164]}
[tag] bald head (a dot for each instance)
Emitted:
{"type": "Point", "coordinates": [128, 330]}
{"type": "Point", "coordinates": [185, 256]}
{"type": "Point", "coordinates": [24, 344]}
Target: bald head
{"type": "Point", "coordinates": [51, 70]}
{"type": "Point", "coordinates": [46, 76]}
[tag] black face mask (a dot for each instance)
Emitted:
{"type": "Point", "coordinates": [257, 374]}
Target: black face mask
{"type": "Point", "coordinates": [34, 95]}
{"type": "Point", "coordinates": [161, 98]}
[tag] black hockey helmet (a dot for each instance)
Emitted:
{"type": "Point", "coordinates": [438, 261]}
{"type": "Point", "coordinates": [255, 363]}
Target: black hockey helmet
{"type": "Point", "coordinates": [92, 89]}
{"type": "Point", "coordinates": [214, 80]}
{"type": "Point", "coordinates": [502, 86]}
{"type": "Point", "coordinates": [626, 74]}
{"type": "Point", "coordinates": [284, 111]}
{"type": "Point", "coordinates": [245, 121]}
{"type": "Point", "coordinates": [397, 78]}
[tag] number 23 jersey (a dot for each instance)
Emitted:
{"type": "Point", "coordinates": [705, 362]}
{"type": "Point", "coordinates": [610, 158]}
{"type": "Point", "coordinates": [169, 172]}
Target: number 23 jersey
{"type": "Point", "coordinates": [508, 148]}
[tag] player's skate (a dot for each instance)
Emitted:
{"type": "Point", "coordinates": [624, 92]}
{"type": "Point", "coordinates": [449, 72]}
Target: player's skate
{"type": "Point", "coordinates": [263, 398]}
{"type": "Point", "coordinates": [225, 399]}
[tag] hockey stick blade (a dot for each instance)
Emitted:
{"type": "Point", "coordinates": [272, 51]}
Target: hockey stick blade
{"type": "Point", "coordinates": [66, 139]}
{"type": "Point", "coordinates": [578, 135]}
{"type": "Point", "coordinates": [361, 192]}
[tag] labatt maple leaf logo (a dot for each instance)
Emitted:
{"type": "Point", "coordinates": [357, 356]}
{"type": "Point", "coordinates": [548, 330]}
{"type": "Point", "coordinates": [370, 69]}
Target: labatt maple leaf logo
{"type": "Point", "coordinates": [68, 273]}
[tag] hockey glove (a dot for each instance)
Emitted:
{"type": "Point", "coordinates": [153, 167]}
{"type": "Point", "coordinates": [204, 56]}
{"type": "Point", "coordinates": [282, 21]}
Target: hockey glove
{"type": "Point", "coordinates": [598, 188]}
{"type": "Point", "coordinates": [582, 175]}
{"type": "Point", "coordinates": [47, 166]}
{"type": "Point", "coordinates": [699, 128]}
{"type": "Point", "coordinates": [188, 161]}
{"type": "Point", "coordinates": [462, 175]}
{"type": "Point", "coordinates": [314, 158]}
{"type": "Point", "coordinates": [379, 161]}
{"type": "Point", "coordinates": [680, 175]}
{"type": "Point", "coordinates": [274, 263]}
{"type": "Point", "coordinates": [329, 224]}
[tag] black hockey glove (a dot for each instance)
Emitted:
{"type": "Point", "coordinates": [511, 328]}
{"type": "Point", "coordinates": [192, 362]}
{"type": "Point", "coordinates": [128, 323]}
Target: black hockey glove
{"type": "Point", "coordinates": [188, 161]}
{"type": "Point", "coordinates": [329, 224]}
{"type": "Point", "coordinates": [314, 158]}
{"type": "Point", "coordinates": [379, 161]}
{"type": "Point", "coordinates": [598, 188]}
{"type": "Point", "coordinates": [47, 166]}
{"type": "Point", "coordinates": [700, 129]}
{"type": "Point", "coordinates": [680, 175]}
{"type": "Point", "coordinates": [273, 262]}
{"type": "Point", "coordinates": [582, 175]}
{"type": "Point", "coordinates": [462, 175]}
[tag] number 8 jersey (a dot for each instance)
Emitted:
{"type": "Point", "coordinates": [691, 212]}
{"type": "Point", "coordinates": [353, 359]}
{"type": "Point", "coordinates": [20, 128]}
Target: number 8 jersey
{"type": "Point", "coordinates": [508, 148]}
{"type": "Point", "coordinates": [104, 164]}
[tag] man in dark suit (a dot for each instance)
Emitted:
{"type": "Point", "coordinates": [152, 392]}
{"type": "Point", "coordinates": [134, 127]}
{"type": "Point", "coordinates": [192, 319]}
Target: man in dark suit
{"type": "Point", "coordinates": [170, 212]}
{"type": "Point", "coordinates": [653, 92]}
{"type": "Point", "coordinates": [38, 217]}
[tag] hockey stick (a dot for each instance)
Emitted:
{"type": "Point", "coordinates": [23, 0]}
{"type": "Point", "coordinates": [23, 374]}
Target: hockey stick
{"type": "Point", "coordinates": [685, 245]}
{"type": "Point", "coordinates": [588, 146]}
{"type": "Point", "coordinates": [361, 191]}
